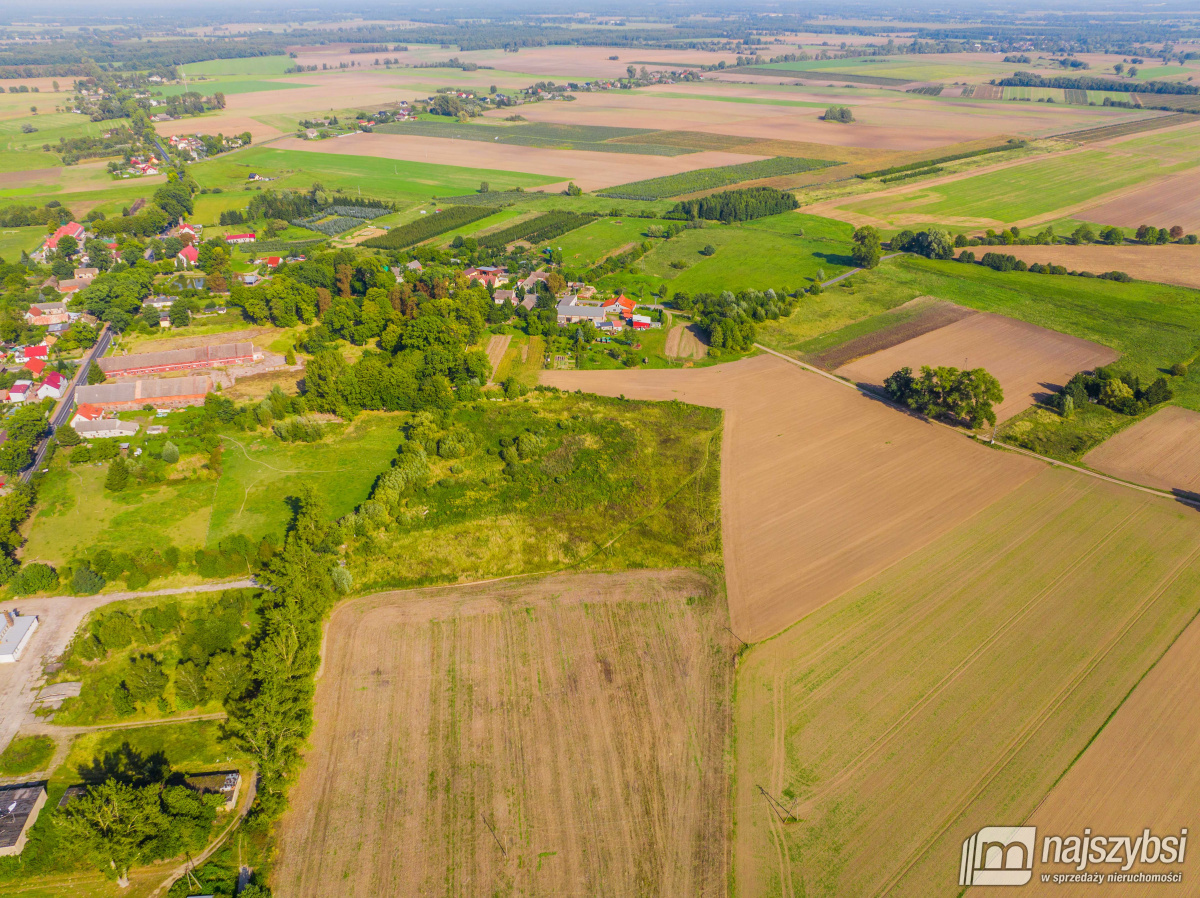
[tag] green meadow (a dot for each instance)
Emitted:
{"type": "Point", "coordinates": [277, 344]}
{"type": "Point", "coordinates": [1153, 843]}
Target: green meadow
{"type": "Point", "coordinates": [392, 179]}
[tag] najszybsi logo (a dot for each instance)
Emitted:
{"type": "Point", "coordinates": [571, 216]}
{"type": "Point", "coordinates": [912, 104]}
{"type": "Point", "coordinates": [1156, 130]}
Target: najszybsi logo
{"type": "Point", "coordinates": [998, 856]}
{"type": "Point", "coordinates": [1004, 855]}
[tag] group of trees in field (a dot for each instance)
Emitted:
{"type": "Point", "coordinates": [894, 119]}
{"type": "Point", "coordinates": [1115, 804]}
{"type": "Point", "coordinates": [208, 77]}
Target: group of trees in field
{"type": "Point", "coordinates": [841, 114]}
{"type": "Point", "coordinates": [729, 320]}
{"type": "Point", "coordinates": [736, 205]}
{"type": "Point", "coordinates": [964, 397]}
{"type": "Point", "coordinates": [1123, 393]}
{"type": "Point", "coordinates": [868, 247]}
{"type": "Point", "coordinates": [1095, 82]}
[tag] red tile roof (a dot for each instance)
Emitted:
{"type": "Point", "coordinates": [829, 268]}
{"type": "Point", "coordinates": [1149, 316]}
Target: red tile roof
{"type": "Point", "coordinates": [37, 366]}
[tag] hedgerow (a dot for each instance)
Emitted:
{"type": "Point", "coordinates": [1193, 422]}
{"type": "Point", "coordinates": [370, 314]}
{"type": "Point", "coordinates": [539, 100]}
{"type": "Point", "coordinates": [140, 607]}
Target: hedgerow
{"type": "Point", "coordinates": [414, 232]}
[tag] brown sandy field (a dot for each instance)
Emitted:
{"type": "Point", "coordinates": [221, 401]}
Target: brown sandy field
{"type": "Point", "coordinates": [1027, 360]}
{"type": "Point", "coordinates": [590, 170]}
{"type": "Point", "coordinates": [1140, 772]}
{"type": "Point", "coordinates": [1173, 263]}
{"type": "Point", "coordinates": [561, 736]}
{"type": "Point", "coordinates": [1162, 451]}
{"type": "Point", "coordinates": [1165, 202]}
{"type": "Point", "coordinates": [821, 487]}
{"type": "Point", "coordinates": [883, 122]}
{"type": "Point", "coordinates": [686, 341]}
{"type": "Point", "coordinates": [912, 319]}
{"type": "Point", "coordinates": [227, 121]}
{"type": "Point", "coordinates": [954, 690]}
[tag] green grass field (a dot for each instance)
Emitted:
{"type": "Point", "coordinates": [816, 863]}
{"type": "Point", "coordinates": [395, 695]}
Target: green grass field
{"type": "Point", "coordinates": [15, 240]}
{"type": "Point", "coordinates": [383, 178]}
{"type": "Point", "coordinates": [76, 515]}
{"type": "Point", "coordinates": [962, 681]}
{"type": "Point", "coordinates": [585, 246]}
{"type": "Point", "coordinates": [229, 86]}
{"type": "Point", "coordinates": [250, 65]}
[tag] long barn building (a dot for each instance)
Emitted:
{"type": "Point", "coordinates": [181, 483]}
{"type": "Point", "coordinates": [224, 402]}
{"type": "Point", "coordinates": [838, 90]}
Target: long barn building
{"type": "Point", "coordinates": [170, 392]}
{"type": "Point", "coordinates": [178, 360]}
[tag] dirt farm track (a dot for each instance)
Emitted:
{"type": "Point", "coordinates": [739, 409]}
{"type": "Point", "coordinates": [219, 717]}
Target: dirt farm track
{"type": "Point", "coordinates": [821, 487]}
{"type": "Point", "coordinates": [557, 736]}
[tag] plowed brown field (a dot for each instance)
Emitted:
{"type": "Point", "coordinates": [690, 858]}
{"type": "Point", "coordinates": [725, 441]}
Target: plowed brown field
{"type": "Point", "coordinates": [561, 736]}
{"type": "Point", "coordinates": [1174, 263]}
{"type": "Point", "coordinates": [821, 487]}
{"type": "Point", "coordinates": [1166, 202]}
{"type": "Point", "coordinates": [1162, 450]}
{"type": "Point", "coordinates": [1140, 772]}
{"type": "Point", "coordinates": [1027, 360]}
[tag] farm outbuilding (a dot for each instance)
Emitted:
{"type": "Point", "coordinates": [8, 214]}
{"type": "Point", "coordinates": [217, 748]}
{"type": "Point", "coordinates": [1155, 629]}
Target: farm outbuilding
{"type": "Point", "coordinates": [179, 359]}
{"type": "Point", "coordinates": [172, 392]}
{"type": "Point", "coordinates": [19, 809]}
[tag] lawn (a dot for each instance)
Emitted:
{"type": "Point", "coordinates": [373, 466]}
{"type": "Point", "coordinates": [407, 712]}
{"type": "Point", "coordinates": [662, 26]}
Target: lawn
{"type": "Point", "coordinates": [25, 755]}
{"type": "Point", "coordinates": [953, 690]}
{"type": "Point", "coordinates": [15, 240]}
{"type": "Point", "coordinates": [584, 247]}
{"type": "Point", "coordinates": [260, 472]}
{"type": "Point", "coordinates": [76, 515]}
{"type": "Point", "coordinates": [407, 181]}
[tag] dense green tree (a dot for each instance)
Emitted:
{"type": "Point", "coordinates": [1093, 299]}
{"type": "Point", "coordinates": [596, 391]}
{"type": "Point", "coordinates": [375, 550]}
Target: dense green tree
{"type": "Point", "coordinates": [116, 825]}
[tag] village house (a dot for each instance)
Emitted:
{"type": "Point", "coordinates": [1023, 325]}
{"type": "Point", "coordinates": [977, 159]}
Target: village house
{"type": "Point", "coordinates": [622, 305]}
{"type": "Point", "coordinates": [35, 367]}
{"type": "Point", "coordinates": [25, 353]}
{"type": "Point", "coordinates": [86, 414]}
{"type": "Point", "coordinates": [20, 391]}
{"type": "Point", "coordinates": [179, 359]}
{"type": "Point", "coordinates": [571, 311]}
{"type": "Point", "coordinates": [47, 313]}
{"type": "Point", "coordinates": [488, 275]}
{"type": "Point", "coordinates": [501, 296]}
{"type": "Point", "coordinates": [70, 229]}
{"type": "Point", "coordinates": [190, 256]}
{"type": "Point", "coordinates": [239, 238]}
{"type": "Point", "coordinates": [52, 387]}
{"type": "Point", "coordinates": [174, 392]}
{"type": "Point", "coordinates": [86, 274]}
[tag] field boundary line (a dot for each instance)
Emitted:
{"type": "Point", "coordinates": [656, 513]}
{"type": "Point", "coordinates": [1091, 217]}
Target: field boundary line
{"type": "Point", "coordinates": [871, 394]}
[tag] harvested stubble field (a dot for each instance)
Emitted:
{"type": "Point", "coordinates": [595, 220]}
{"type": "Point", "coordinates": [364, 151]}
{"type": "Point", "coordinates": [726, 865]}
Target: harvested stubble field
{"type": "Point", "coordinates": [1173, 263]}
{"type": "Point", "coordinates": [686, 341]}
{"type": "Point", "coordinates": [821, 487]}
{"type": "Point", "coordinates": [1029, 361]}
{"type": "Point", "coordinates": [561, 736]}
{"type": "Point", "coordinates": [1162, 450]}
{"type": "Point", "coordinates": [955, 689]}
{"type": "Point", "coordinates": [1139, 772]}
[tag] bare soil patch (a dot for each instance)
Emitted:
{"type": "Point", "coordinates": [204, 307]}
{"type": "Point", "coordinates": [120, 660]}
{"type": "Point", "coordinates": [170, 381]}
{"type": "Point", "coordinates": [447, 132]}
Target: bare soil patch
{"type": "Point", "coordinates": [821, 487]}
{"type": "Point", "coordinates": [1162, 450]}
{"type": "Point", "coordinates": [557, 736]}
{"type": "Point", "coordinates": [916, 317]}
{"type": "Point", "coordinates": [1140, 771]}
{"type": "Point", "coordinates": [1029, 361]}
{"type": "Point", "coordinates": [686, 342]}
{"type": "Point", "coordinates": [1174, 263]}
{"type": "Point", "coordinates": [228, 121]}
{"type": "Point", "coordinates": [496, 348]}
{"type": "Point", "coordinates": [590, 170]}
{"type": "Point", "coordinates": [1166, 202]}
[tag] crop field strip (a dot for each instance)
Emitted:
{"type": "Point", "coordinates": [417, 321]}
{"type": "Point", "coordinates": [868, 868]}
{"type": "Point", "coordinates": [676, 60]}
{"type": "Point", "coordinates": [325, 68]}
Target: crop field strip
{"type": "Point", "coordinates": [913, 319]}
{"type": "Point", "coordinates": [830, 75]}
{"type": "Point", "coordinates": [552, 736]}
{"type": "Point", "coordinates": [1105, 132]}
{"type": "Point", "coordinates": [1158, 451]}
{"type": "Point", "coordinates": [547, 135]}
{"type": "Point", "coordinates": [414, 232]}
{"type": "Point", "coordinates": [956, 687]}
{"type": "Point", "coordinates": [713, 178]}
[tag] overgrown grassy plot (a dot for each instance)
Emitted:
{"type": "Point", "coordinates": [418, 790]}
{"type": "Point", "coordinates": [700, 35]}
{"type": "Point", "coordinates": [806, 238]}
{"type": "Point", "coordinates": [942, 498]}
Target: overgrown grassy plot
{"type": "Point", "coordinates": [552, 481]}
{"type": "Point", "coordinates": [954, 689]}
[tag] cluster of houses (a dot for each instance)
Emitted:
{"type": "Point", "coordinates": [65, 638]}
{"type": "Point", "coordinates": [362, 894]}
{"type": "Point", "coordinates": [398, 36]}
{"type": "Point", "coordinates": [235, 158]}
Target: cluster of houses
{"type": "Point", "coordinates": [71, 229]}
{"type": "Point", "coordinates": [576, 303]}
{"type": "Point", "coordinates": [138, 166]}
{"type": "Point", "coordinates": [189, 146]}
{"type": "Point", "coordinates": [34, 381]}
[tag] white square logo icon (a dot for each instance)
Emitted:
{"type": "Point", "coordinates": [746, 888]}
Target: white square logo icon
{"type": "Point", "coordinates": [998, 856]}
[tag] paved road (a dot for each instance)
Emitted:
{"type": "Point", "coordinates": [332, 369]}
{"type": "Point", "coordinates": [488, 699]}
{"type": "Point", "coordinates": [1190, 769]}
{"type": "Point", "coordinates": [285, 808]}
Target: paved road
{"type": "Point", "coordinates": [62, 412]}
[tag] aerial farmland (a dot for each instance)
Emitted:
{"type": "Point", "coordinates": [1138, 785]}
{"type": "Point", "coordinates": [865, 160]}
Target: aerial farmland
{"type": "Point", "coordinates": [478, 452]}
